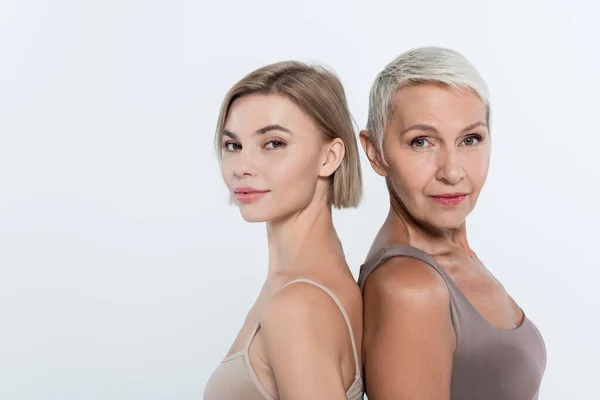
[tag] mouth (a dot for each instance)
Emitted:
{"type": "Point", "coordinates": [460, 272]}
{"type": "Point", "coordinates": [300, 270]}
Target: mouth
{"type": "Point", "coordinates": [248, 195]}
{"type": "Point", "coordinates": [449, 199]}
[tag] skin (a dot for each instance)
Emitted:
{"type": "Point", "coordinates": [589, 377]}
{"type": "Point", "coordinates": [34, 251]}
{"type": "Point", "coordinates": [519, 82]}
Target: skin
{"type": "Point", "coordinates": [437, 142]}
{"type": "Point", "coordinates": [297, 353]}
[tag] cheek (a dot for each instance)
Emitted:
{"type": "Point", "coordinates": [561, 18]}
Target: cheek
{"type": "Point", "coordinates": [226, 173]}
{"type": "Point", "coordinates": [291, 170]}
{"type": "Point", "coordinates": [477, 169]}
{"type": "Point", "coordinates": [481, 177]}
{"type": "Point", "coordinates": [411, 174]}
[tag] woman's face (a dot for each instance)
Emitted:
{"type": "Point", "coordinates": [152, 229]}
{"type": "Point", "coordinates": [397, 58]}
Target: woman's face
{"type": "Point", "coordinates": [275, 160]}
{"type": "Point", "coordinates": [437, 148]}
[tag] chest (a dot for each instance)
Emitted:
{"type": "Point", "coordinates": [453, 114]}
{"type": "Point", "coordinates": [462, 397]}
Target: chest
{"type": "Point", "coordinates": [483, 291]}
{"type": "Point", "coordinates": [497, 364]}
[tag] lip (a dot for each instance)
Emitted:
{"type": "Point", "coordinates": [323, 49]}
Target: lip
{"type": "Point", "coordinates": [449, 199]}
{"type": "Point", "coordinates": [248, 194]}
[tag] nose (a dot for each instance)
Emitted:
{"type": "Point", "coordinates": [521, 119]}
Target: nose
{"type": "Point", "coordinates": [450, 168]}
{"type": "Point", "coordinates": [243, 164]}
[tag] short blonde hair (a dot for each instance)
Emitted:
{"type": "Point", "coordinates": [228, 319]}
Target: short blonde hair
{"type": "Point", "coordinates": [417, 66]}
{"type": "Point", "coordinates": [320, 94]}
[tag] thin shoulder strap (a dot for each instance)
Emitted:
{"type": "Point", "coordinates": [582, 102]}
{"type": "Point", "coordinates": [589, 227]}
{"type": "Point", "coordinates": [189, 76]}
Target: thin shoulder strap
{"type": "Point", "coordinates": [339, 304]}
{"type": "Point", "coordinates": [251, 338]}
{"type": "Point", "coordinates": [395, 250]}
{"type": "Point", "coordinates": [457, 299]}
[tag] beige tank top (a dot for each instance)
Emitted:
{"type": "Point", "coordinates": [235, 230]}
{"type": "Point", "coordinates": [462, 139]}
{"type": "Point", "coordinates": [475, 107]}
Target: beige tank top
{"type": "Point", "coordinates": [235, 379]}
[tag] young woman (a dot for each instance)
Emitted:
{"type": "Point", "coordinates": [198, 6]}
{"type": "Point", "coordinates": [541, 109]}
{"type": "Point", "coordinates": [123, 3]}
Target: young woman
{"type": "Point", "coordinates": [437, 324]}
{"type": "Point", "coordinates": [288, 154]}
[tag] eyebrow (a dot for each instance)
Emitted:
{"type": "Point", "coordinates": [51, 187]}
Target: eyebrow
{"type": "Point", "coordinates": [473, 126]}
{"type": "Point", "coordinates": [429, 128]}
{"type": "Point", "coordinates": [229, 134]}
{"type": "Point", "coordinates": [261, 131]}
{"type": "Point", "coordinates": [419, 127]}
{"type": "Point", "coordinates": [274, 127]}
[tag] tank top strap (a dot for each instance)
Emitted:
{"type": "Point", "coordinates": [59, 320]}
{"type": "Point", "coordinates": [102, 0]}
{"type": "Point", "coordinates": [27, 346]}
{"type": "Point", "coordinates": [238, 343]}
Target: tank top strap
{"type": "Point", "coordinates": [398, 250]}
{"type": "Point", "coordinates": [344, 314]}
{"type": "Point", "coordinates": [404, 250]}
{"type": "Point", "coordinates": [251, 338]}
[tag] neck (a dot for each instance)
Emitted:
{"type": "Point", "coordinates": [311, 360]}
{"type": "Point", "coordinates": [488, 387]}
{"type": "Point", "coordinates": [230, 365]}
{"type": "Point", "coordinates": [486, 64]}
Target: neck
{"type": "Point", "coordinates": [403, 227]}
{"type": "Point", "coordinates": [294, 239]}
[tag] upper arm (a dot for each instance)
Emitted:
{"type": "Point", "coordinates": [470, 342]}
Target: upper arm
{"type": "Point", "coordinates": [301, 330]}
{"type": "Point", "coordinates": [408, 335]}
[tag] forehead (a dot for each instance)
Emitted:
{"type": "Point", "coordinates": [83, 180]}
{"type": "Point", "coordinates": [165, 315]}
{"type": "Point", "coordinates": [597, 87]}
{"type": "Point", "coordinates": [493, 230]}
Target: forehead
{"type": "Point", "coordinates": [250, 113]}
{"type": "Point", "coordinates": [437, 105]}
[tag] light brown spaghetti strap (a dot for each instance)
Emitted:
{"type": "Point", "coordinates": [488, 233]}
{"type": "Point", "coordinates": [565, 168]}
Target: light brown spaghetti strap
{"type": "Point", "coordinates": [346, 318]}
{"type": "Point", "coordinates": [252, 336]}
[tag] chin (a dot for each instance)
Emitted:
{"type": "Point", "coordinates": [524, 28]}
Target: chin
{"type": "Point", "coordinates": [252, 213]}
{"type": "Point", "coordinates": [254, 216]}
{"type": "Point", "coordinates": [447, 222]}
{"type": "Point", "coordinates": [264, 214]}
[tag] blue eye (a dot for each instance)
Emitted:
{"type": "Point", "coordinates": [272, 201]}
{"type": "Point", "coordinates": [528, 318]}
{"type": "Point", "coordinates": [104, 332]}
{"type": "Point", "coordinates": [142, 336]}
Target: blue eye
{"type": "Point", "coordinates": [420, 142]}
{"type": "Point", "coordinates": [472, 140]}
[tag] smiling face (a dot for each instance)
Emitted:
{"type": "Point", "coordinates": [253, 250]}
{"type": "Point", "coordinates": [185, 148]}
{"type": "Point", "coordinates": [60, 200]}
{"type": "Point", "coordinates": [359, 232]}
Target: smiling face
{"type": "Point", "coordinates": [275, 160]}
{"type": "Point", "coordinates": [437, 151]}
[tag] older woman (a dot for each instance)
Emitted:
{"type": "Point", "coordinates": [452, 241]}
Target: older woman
{"type": "Point", "coordinates": [437, 324]}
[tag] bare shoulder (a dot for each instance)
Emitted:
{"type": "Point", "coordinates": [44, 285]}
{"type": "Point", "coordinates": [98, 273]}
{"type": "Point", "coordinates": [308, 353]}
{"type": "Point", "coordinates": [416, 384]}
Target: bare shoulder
{"type": "Point", "coordinates": [407, 281]}
{"type": "Point", "coordinates": [304, 335]}
{"type": "Point", "coordinates": [301, 304]}
{"type": "Point", "coordinates": [408, 334]}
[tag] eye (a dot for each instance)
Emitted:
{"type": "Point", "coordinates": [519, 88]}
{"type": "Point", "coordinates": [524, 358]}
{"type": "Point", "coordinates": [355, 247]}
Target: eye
{"type": "Point", "coordinates": [420, 142]}
{"type": "Point", "coordinates": [274, 144]}
{"type": "Point", "coordinates": [472, 140]}
{"type": "Point", "coordinates": [232, 146]}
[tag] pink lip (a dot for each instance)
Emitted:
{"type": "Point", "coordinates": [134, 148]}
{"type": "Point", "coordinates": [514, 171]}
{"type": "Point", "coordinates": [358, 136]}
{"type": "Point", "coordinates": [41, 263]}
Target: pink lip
{"type": "Point", "coordinates": [248, 194]}
{"type": "Point", "coordinates": [450, 199]}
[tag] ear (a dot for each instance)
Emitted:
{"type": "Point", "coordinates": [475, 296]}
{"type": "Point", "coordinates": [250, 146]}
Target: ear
{"type": "Point", "coordinates": [372, 153]}
{"type": "Point", "coordinates": [334, 154]}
